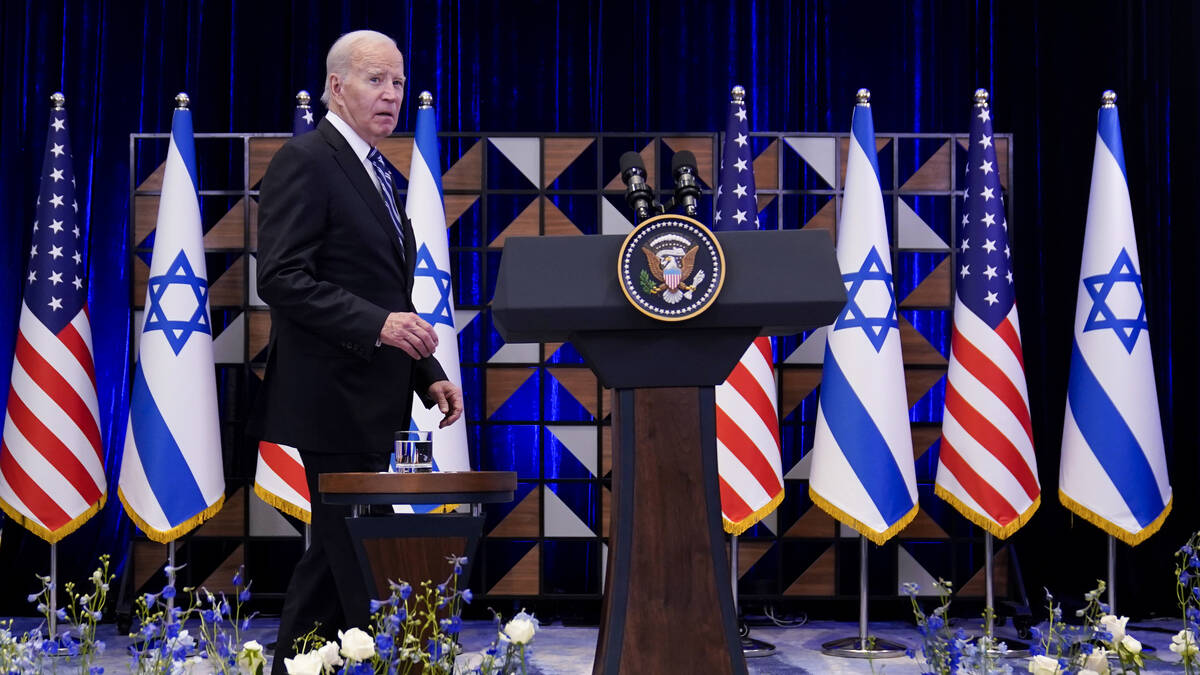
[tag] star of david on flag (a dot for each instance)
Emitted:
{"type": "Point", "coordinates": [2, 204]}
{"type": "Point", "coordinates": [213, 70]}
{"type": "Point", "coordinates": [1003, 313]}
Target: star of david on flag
{"type": "Point", "coordinates": [862, 466]}
{"type": "Point", "coordinates": [432, 293]}
{"type": "Point", "coordinates": [1113, 470]}
{"type": "Point", "coordinates": [52, 456]}
{"type": "Point", "coordinates": [172, 474]}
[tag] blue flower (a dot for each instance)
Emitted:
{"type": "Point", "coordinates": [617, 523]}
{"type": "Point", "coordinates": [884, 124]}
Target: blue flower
{"type": "Point", "coordinates": [244, 596]}
{"type": "Point", "coordinates": [441, 589]}
{"type": "Point", "coordinates": [1194, 561]}
{"type": "Point", "coordinates": [1037, 650]}
{"type": "Point", "coordinates": [1186, 550]}
{"type": "Point", "coordinates": [960, 634]}
{"type": "Point", "coordinates": [172, 630]}
{"type": "Point", "coordinates": [405, 591]}
{"type": "Point", "coordinates": [61, 614]}
{"type": "Point", "coordinates": [1193, 614]}
{"type": "Point", "coordinates": [96, 670]}
{"type": "Point", "coordinates": [1036, 633]}
{"type": "Point", "coordinates": [910, 589]}
{"type": "Point", "coordinates": [910, 653]}
{"type": "Point", "coordinates": [32, 597]}
{"type": "Point", "coordinates": [208, 615]}
{"type": "Point", "coordinates": [150, 599]}
{"type": "Point", "coordinates": [1086, 647]}
{"type": "Point", "coordinates": [1105, 608]}
{"type": "Point", "coordinates": [383, 642]}
{"type": "Point", "coordinates": [168, 592]}
{"type": "Point", "coordinates": [1184, 577]}
{"type": "Point", "coordinates": [467, 596]}
{"type": "Point", "coordinates": [376, 605]}
{"type": "Point", "coordinates": [1063, 663]}
{"type": "Point", "coordinates": [1196, 592]}
{"type": "Point", "coordinates": [97, 615]}
{"type": "Point", "coordinates": [936, 622]}
{"type": "Point", "coordinates": [237, 577]}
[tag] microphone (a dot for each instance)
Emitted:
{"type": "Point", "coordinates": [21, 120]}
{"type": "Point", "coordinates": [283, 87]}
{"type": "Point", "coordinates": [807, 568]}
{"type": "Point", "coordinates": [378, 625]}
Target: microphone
{"type": "Point", "coordinates": [637, 192]}
{"type": "Point", "coordinates": [687, 188]}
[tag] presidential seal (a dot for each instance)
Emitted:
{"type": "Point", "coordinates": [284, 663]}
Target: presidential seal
{"type": "Point", "coordinates": [671, 267]}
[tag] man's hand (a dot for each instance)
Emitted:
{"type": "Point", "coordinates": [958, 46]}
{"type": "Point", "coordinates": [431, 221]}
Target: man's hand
{"type": "Point", "coordinates": [409, 333]}
{"type": "Point", "coordinates": [449, 400]}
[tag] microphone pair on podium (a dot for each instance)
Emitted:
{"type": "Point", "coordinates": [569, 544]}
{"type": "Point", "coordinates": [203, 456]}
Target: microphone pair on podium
{"type": "Point", "coordinates": [640, 196]}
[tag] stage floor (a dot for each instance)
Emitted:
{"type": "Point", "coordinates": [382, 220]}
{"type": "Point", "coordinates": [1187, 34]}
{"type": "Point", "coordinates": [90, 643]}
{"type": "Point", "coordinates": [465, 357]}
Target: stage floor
{"type": "Point", "coordinates": [569, 650]}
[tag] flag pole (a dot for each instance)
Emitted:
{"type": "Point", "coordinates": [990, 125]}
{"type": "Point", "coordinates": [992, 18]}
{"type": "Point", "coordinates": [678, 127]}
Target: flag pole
{"type": "Point", "coordinates": [53, 590]}
{"type": "Point", "coordinates": [1112, 574]}
{"type": "Point", "coordinates": [988, 569]}
{"type": "Point", "coordinates": [170, 575]}
{"type": "Point", "coordinates": [863, 647]}
{"type": "Point", "coordinates": [751, 647]}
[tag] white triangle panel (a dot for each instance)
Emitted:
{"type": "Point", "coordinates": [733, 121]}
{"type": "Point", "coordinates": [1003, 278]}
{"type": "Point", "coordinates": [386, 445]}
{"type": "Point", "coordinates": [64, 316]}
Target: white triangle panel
{"type": "Point", "coordinates": [612, 221]}
{"type": "Point", "coordinates": [524, 153]}
{"type": "Point", "coordinates": [909, 570]}
{"type": "Point", "coordinates": [819, 152]}
{"type": "Point", "coordinates": [802, 469]}
{"type": "Point", "coordinates": [462, 317]}
{"type": "Point", "coordinates": [581, 441]}
{"type": "Point", "coordinates": [230, 345]}
{"type": "Point", "coordinates": [265, 521]}
{"type": "Point", "coordinates": [252, 284]}
{"type": "Point", "coordinates": [558, 518]}
{"type": "Point", "coordinates": [812, 351]}
{"type": "Point", "coordinates": [517, 352]}
{"type": "Point", "coordinates": [914, 231]}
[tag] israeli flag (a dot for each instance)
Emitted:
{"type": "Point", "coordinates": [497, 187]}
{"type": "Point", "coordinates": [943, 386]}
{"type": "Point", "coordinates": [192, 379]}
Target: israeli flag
{"type": "Point", "coordinates": [1113, 471]}
{"type": "Point", "coordinates": [862, 466]}
{"type": "Point", "coordinates": [433, 295]}
{"type": "Point", "coordinates": [172, 478]}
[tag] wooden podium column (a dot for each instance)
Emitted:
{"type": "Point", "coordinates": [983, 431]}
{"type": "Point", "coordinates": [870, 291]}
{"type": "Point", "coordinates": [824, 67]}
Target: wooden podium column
{"type": "Point", "coordinates": [667, 602]}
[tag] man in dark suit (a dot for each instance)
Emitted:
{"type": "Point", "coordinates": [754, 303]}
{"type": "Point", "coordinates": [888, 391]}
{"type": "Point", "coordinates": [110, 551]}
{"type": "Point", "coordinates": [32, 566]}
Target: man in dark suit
{"type": "Point", "coordinates": [347, 352]}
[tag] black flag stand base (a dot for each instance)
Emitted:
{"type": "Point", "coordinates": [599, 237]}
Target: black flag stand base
{"type": "Point", "coordinates": [863, 647]}
{"type": "Point", "coordinates": [751, 647]}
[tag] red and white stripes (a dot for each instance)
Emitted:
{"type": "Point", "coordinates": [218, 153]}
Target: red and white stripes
{"type": "Point", "coordinates": [748, 447]}
{"type": "Point", "coordinates": [279, 480]}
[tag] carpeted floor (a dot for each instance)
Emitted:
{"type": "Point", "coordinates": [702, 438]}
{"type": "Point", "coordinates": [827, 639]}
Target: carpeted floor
{"type": "Point", "coordinates": [562, 650]}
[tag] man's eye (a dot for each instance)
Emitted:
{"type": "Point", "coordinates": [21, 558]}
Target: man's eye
{"type": "Point", "coordinates": [373, 79]}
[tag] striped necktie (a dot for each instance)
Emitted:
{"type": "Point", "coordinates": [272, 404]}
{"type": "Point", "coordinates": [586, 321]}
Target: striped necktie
{"type": "Point", "coordinates": [386, 188]}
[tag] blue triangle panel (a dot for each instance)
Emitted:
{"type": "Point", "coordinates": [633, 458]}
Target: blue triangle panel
{"type": "Point", "coordinates": [571, 567]}
{"type": "Point", "coordinates": [930, 407]}
{"type": "Point", "coordinates": [912, 267]}
{"type": "Point", "coordinates": [503, 209]}
{"type": "Point", "coordinates": [936, 325]}
{"type": "Point", "coordinates": [559, 462]}
{"type": "Point", "coordinates": [473, 341]}
{"type": "Point", "coordinates": [580, 210]}
{"type": "Point", "coordinates": [494, 514]}
{"type": "Point", "coordinates": [580, 174]}
{"type": "Point", "coordinates": [522, 404]}
{"type": "Point", "coordinates": [511, 447]}
{"type": "Point", "coordinates": [565, 354]}
{"type": "Point", "coordinates": [503, 174]}
{"type": "Point", "coordinates": [500, 556]}
{"type": "Point", "coordinates": [561, 406]}
{"type": "Point", "coordinates": [467, 231]}
{"type": "Point", "coordinates": [927, 464]}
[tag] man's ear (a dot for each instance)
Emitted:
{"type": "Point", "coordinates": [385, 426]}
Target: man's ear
{"type": "Point", "coordinates": [335, 85]}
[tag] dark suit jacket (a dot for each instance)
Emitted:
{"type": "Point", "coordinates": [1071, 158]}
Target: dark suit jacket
{"type": "Point", "coordinates": [329, 267]}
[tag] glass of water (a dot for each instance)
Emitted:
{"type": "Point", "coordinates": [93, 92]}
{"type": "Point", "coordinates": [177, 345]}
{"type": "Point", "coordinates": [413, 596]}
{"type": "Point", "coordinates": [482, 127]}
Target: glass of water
{"type": "Point", "coordinates": [413, 452]}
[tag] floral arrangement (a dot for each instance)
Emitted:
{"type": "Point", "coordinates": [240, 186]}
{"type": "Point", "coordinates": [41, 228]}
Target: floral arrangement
{"type": "Point", "coordinates": [944, 652]}
{"type": "Point", "coordinates": [1187, 594]}
{"type": "Point", "coordinates": [415, 632]}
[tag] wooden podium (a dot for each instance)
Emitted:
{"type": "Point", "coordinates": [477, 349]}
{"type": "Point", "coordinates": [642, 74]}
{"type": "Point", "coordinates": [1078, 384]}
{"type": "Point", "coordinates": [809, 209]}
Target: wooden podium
{"type": "Point", "coordinates": [414, 547]}
{"type": "Point", "coordinates": [668, 605]}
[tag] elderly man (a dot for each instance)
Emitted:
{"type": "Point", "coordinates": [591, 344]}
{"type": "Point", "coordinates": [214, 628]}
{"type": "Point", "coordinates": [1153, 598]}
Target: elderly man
{"type": "Point", "coordinates": [347, 352]}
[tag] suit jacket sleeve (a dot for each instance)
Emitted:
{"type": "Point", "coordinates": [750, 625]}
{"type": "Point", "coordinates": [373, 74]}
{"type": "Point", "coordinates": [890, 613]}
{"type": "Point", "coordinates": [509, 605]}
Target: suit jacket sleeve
{"type": "Point", "coordinates": [292, 224]}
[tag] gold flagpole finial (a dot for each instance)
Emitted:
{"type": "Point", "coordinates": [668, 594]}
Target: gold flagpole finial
{"type": "Point", "coordinates": [58, 101]}
{"type": "Point", "coordinates": [1108, 99]}
{"type": "Point", "coordinates": [981, 98]}
{"type": "Point", "coordinates": [863, 96]}
{"type": "Point", "coordinates": [424, 100]}
{"type": "Point", "coordinates": [303, 99]}
{"type": "Point", "coordinates": [738, 94]}
{"type": "Point", "coordinates": [182, 101]}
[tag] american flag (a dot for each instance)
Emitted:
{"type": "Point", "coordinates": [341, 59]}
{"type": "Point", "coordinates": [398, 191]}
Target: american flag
{"type": "Point", "coordinates": [986, 468]}
{"type": "Point", "coordinates": [52, 458]}
{"type": "Point", "coordinates": [748, 457]}
{"type": "Point", "coordinates": [279, 476]}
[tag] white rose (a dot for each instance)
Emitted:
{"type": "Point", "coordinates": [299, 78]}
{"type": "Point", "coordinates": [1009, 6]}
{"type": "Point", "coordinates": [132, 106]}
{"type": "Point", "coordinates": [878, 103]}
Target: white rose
{"type": "Point", "coordinates": [329, 656]}
{"type": "Point", "coordinates": [304, 664]}
{"type": "Point", "coordinates": [1097, 661]}
{"type": "Point", "coordinates": [356, 644]}
{"type": "Point", "coordinates": [251, 657]}
{"type": "Point", "coordinates": [1184, 644]}
{"type": "Point", "coordinates": [1114, 625]}
{"type": "Point", "coordinates": [1044, 665]}
{"type": "Point", "coordinates": [1131, 645]}
{"type": "Point", "coordinates": [1085, 671]}
{"type": "Point", "coordinates": [519, 631]}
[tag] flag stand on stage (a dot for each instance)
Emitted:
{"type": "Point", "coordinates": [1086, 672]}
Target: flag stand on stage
{"type": "Point", "coordinates": [863, 647]}
{"type": "Point", "coordinates": [749, 457]}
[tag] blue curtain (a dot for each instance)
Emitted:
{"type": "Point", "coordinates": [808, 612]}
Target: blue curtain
{"type": "Point", "coordinates": [638, 65]}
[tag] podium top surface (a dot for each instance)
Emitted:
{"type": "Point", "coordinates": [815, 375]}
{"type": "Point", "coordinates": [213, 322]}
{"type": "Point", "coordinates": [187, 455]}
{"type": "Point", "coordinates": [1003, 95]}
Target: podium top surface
{"type": "Point", "coordinates": [778, 282]}
{"type": "Point", "coordinates": [418, 483]}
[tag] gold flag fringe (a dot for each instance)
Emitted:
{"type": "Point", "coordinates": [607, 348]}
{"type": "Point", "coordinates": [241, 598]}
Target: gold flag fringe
{"type": "Point", "coordinates": [282, 504]}
{"type": "Point", "coordinates": [879, 538]}
{"type": "Point", "coordinates": [1131, 538]}
{"type": "Point", "coordinates": [984, 521]}
{"type": "Point", "coordinates": [738, 527]}
{"type": "Point", "coordinates": [166, 536]}
{"type": "Point", "coordinates": [52, 536]}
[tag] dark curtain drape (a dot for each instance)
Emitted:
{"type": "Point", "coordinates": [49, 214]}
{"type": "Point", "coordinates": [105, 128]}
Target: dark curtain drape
{"type": "Point", "coordinates": [638, 65]}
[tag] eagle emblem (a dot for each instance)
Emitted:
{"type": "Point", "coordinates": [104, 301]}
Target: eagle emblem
{"type": "Point", "coordinates": [671, 267]}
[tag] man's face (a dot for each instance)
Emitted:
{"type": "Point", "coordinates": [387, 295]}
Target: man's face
{"type": "Point", "coordinates": [371, 92]}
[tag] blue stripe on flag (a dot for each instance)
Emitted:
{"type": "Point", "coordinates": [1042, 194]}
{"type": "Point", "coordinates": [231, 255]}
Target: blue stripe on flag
{"type": "Point", "coordinates": [1112, 441]}
{"type": "Point", "coordinates": [181, 136]}
{"type": "Point", "coordinates": [166, 470]}
{"type": "Point", "coordinates": [864, 132]}
{"type": "Point", "coordinates": [862, 444]}
{"type": "Point", "coordinates": [425, 140]}
{"type": "Point", "coordinates": [1109, 128]}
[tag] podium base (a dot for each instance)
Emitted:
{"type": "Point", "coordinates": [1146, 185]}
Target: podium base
{"type": "Point", "coordinates": [855, 648]}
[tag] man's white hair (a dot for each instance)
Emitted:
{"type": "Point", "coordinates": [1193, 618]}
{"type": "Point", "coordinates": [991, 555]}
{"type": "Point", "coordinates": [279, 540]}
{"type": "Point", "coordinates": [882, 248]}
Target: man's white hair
{"type": "Point", "coordinates": [342, 53]}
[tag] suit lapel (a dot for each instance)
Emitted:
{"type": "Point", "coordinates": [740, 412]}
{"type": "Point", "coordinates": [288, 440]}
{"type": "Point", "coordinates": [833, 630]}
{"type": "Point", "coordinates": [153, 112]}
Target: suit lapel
{"type": "Point", "coordinates": [357, 173]}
